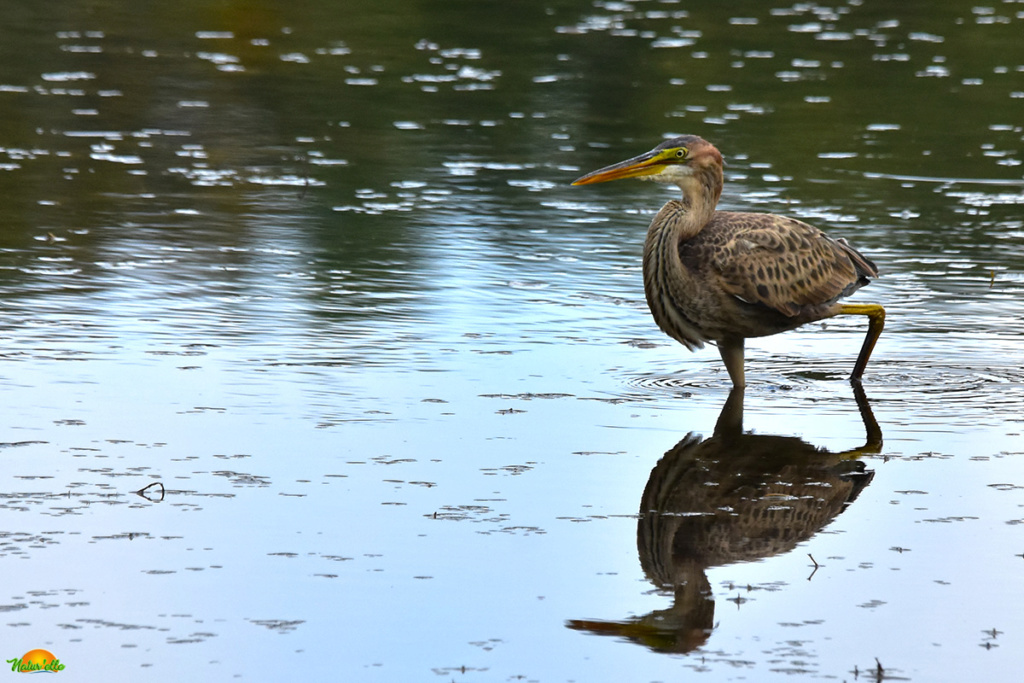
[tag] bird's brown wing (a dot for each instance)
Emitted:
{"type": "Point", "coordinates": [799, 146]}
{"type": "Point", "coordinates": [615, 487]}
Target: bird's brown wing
{"type": "Point", "coordinates": [786, 265]}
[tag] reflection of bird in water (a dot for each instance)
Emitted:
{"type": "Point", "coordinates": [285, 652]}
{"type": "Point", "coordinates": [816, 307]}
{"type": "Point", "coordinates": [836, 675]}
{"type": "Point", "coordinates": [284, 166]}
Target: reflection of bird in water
{"type": "Point", "coordinates": [734, 497]}
{"type": "Point", "coordinates": [723, 276]}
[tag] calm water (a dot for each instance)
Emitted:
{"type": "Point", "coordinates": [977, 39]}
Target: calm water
{"type": "Point", "coordinates": [318, 273]}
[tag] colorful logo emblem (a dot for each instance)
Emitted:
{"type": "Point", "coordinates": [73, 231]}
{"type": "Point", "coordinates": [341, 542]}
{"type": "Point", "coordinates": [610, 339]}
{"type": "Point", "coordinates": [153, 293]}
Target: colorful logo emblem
{"type": "Point", "coordinates": [36, 661]}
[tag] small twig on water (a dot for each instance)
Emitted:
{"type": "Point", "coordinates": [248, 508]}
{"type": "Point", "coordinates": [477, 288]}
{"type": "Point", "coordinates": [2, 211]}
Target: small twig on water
{"type": "Point", "coordinates": [144, 489]}
{"type": "Point", "coordinates": [816, 565]}
{"type": "Point", "coordinates": [879, 672]}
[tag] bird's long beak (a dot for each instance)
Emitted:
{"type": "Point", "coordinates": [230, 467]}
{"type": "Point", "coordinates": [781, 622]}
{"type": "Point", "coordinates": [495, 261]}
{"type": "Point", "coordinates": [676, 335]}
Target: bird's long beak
{"type": "Point", "coordinates": [648, 163]}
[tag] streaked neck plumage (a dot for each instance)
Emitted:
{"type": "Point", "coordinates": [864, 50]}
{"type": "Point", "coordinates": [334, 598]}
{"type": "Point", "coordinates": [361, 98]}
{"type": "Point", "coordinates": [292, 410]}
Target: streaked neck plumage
{"type": "Point", "coordinates": [677, 222]}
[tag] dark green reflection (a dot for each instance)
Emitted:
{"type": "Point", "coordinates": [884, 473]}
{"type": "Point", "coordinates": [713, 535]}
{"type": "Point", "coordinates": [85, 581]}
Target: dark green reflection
{"type": "Point", "coordinates": [212, 152]}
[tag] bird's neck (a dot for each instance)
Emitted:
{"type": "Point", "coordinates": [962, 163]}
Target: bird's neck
{"type": "Point", "coordinates": [701, 192]}
{"type": "Point", "coordinates": [681, 220]}
{"type": "Point", "coordinates": [678, 221]}
{"type": "Point", "coordinates": [666, 280]}
{"type": "Point", "coordinates": [669, 284]}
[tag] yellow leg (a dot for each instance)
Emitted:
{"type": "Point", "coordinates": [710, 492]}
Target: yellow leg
{"type": "Point", "coordinates": [732, 356]}
{"type": "Point", "coordinates": [876, 322]}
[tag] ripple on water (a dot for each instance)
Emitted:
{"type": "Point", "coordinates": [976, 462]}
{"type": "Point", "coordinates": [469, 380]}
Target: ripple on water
{"type": "Point", "coordinates": [966, 382]}
{"type": "Point", "coordinates": [668, 385]}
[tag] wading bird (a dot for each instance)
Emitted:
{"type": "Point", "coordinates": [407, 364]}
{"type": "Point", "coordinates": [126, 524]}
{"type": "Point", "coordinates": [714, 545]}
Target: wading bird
{"type": "Point", "coordinates": [724, 276]}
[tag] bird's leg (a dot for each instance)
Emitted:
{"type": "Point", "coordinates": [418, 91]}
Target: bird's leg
{"type": "Point", "coordinates": [732, 355]}
{"type": "Point", "coordinates": [871, 428]}
{"type": "Point", "coordinates": [876, 321]}
{"type": "Point", "coordinates": [730, 422]}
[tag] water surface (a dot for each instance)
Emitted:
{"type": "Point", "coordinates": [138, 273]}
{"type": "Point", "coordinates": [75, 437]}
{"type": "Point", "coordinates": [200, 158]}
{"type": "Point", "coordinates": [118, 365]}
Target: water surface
{"type": "Point", "coordinates": [318, 271]}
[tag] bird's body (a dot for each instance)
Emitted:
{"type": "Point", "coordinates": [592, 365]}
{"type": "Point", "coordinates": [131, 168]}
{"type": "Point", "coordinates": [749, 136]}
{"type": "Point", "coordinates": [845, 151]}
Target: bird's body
{"type": "Point", "coordinates": [724, 276]}
{"type": "Point", "coordinates": [745, 275]}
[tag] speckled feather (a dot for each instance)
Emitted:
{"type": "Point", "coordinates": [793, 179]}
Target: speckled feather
{"type": "Point", "coordinates": [778, 262]}
{"type": "Point", "coordinates": [744, 274]}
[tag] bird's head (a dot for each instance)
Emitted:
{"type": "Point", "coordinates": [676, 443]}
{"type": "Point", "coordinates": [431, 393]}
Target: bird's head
{"type": "Point", "coordinates": [678, 161]}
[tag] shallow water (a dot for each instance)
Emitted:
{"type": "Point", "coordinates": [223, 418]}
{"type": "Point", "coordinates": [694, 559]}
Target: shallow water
{"type": "Point", "coordinates": [319, 274]}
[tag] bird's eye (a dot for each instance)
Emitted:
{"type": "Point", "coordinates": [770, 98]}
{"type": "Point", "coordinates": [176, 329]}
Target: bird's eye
{"type": "Point", "coordinates": [681, 153]}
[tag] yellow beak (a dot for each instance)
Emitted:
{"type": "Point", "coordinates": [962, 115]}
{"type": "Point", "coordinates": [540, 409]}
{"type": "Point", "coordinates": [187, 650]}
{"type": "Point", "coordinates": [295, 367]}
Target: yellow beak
{"type": "Point", "coordinates": [648, 163]}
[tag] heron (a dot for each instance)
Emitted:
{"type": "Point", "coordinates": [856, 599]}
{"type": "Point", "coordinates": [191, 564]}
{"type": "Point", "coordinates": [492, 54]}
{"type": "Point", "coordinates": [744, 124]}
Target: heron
{"type": "Point", "coordinates": [724, 276]}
